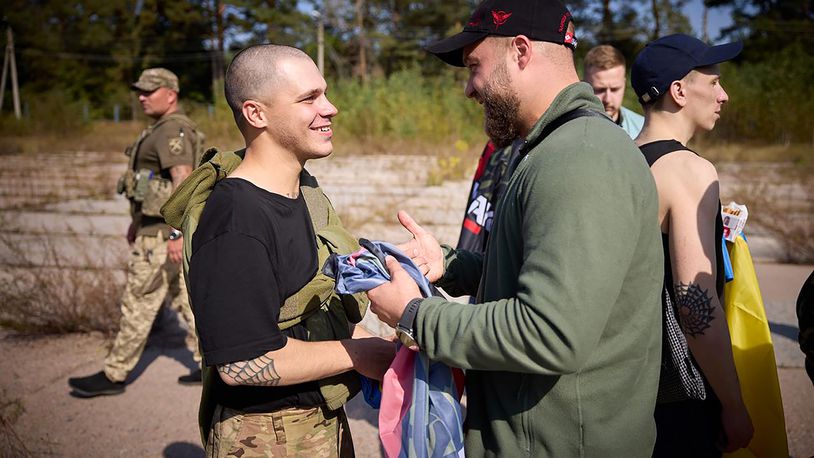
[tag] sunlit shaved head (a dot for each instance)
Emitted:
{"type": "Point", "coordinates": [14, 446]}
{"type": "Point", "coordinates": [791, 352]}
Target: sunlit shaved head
{"type": "Point", "coordinates": [254, 74]}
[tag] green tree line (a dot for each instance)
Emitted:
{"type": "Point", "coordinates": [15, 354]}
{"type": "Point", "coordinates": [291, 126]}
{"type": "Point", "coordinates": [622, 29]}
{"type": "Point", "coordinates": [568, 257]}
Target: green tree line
{"type": "Point", "coordinates": [75, 53]}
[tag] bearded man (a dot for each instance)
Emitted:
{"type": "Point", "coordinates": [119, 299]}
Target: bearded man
{"type": "Point", "coordinates": [562, 346]}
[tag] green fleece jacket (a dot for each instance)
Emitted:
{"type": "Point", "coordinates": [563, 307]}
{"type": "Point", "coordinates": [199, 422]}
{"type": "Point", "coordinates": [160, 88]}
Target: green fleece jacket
{"type": "Point", "coordinates": [562, 350]}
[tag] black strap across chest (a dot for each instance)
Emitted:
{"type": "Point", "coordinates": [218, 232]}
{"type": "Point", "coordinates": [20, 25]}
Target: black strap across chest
{"type": "Point", "coordinates": [525, 148]}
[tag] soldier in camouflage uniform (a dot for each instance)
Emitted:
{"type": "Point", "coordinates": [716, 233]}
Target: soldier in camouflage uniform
{"type": "Point", "coordinates": [160, 159]}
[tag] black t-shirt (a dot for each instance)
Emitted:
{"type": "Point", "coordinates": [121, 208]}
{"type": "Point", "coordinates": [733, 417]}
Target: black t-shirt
{"type": "Point", "coordinates": [252, 249]}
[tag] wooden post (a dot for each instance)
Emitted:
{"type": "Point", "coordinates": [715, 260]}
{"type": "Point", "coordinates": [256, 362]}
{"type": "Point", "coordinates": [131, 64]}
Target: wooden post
{"type": "Point", "coordinates": [705, 23]}
{"type": "Point", "coordinates": [3, 80]}
{"type": "Point", "coordinates": [360, 26]}
{"type": "Point", "coordinates": [321, 44]}
{"type": "Point", "coordinates": [656, 19]}
{"type": "Point", "coordinates": [15, 89]}
{"type": "Point", "coordinates": [218, 64]}
{"type": "Point", "coordinates": [319, 17]}
{"type": "Point", "coordinates": [9, 62]}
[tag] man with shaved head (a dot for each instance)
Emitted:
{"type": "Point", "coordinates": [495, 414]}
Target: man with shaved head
{"type": "Point", "coordinates": [255, 254]}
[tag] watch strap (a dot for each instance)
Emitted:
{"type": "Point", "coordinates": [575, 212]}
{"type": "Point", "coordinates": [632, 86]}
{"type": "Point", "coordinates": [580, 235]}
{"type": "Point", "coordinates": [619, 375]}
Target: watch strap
{"type": "Point", "coordinates": [407, 320]}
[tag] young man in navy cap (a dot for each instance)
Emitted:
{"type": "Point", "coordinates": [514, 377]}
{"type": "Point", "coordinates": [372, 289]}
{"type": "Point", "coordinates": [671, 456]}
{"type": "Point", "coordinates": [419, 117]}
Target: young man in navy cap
{"type": "Point", "coordinates": [562, 347]}
{"type": "Point", "coordinates": [678, 83]}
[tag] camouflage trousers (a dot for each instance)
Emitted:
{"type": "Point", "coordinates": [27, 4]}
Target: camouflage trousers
{"type": "Point", "coordinates": [295, 432]}
{"type": "Point", "coordinates": [150, 279]}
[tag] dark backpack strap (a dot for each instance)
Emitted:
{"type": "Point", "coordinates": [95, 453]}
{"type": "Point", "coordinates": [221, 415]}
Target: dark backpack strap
{"type": "Point", "coordinates": [551, 127]}
{"type": "Point", "coordinates": [571, 115]}
{"type": "Point", "coordinates": [656, 150]}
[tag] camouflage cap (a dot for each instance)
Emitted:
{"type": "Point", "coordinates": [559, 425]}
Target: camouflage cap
{"type": "Point", "coordinates": [154, 78]}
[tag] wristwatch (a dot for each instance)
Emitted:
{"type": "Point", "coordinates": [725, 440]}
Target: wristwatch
{"type": "Point", "coordinates": [175, 234]}
{"type": "Point", "coordinates": [405, 328]}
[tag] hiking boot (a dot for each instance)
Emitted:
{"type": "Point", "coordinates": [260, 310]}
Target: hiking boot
{"type": "Point", "coordinates": [193, 378]}
{"type": "Point", "coordinates": [95, 385]}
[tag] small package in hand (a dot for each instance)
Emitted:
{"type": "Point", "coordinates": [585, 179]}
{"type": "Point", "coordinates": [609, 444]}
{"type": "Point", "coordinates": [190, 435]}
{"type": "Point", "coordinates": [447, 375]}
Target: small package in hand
{"type": "Point", "coordinates": [734, 216]}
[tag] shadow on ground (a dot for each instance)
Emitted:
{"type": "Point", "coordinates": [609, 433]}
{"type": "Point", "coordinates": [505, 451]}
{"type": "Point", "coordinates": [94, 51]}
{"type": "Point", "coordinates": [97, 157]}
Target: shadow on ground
{"type": "Point", "coordinates": [166, 339]}
{"type": "Point", "coordinates": [183, 450]}
{"type": "Point", "coordinates": [780, 329]}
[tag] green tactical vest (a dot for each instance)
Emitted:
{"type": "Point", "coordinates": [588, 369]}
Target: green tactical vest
{"type": "Point", "coordinates": [324, 313]}
{"type": "Point", "coordinates": [146, 186]}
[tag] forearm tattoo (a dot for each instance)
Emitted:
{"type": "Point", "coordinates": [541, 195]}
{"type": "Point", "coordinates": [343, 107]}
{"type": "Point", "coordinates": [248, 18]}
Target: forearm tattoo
{"type": "Point", "coordinates": [257, 372]}
{"type": "Point", "coordinates": [694, 306]}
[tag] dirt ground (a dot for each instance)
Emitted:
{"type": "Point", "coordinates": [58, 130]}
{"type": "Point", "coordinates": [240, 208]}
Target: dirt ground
{"type": "Point", "coordinates": [156, 416]}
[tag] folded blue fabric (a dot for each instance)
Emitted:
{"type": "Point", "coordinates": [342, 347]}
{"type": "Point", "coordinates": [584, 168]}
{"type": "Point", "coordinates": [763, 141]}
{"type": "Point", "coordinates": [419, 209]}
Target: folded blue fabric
{"type": "Point", "coordinates": [366, 269]}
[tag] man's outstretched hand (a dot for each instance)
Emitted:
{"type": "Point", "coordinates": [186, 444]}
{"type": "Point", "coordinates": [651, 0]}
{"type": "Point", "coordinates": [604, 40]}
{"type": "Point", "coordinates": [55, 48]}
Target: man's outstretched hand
{"type": "Point", "coordinates": [389, 300]}
{"type": "Point", "coordinates": [423, 249]}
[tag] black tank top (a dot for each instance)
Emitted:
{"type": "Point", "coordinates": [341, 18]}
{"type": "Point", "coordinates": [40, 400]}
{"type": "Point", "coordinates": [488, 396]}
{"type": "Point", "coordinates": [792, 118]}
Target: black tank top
{"type": "Point", "coordinates": [652, 153]}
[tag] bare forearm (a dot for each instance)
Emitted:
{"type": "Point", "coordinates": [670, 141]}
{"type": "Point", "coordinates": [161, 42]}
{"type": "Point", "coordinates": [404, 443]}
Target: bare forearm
{"type": "Point", "coordinates": [179, 173]}
{"type": "Point", "coordinates": [358, 331]}
{"type": "Point", "coordinates": [704, 324]}
{"type": "Point", "coordinates": [297, 362]}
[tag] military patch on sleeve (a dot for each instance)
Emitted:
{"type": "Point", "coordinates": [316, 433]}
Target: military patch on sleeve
{"type": "Point", "coordinates": [177, 145]}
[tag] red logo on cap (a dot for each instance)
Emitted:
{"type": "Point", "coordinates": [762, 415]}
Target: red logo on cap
{"type": "Point", "coordinates": [500, 17]}
{"type": "Point", "coordinates": [563, 19]}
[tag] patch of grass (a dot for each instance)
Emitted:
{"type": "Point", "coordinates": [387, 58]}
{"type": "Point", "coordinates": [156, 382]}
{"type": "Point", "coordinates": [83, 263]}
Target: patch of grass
{"type": "Point", "coordinates": [760, 109]}
{"type": "Point", "coordinates": [95, 136]}
{"type": "Point", "coordinates": [28, 183]}
{"type": "Point", "coordinates": [218, 125]}
{"type": "Point", "coordinates": [44, 293]}
{"type": "Point", "coordinates": [406, 112]}
{"type": "Point", "coordinates": [456, 165]}
{"type": "Point", "coordinates": [10, 443]}
{"type": "Point", "coordinates": [781, 203]}
{"type": "Point", "coordinates": [796, 153]}
{"type": "Point", "coordinates": [449, 168]}
{"type": "Point", "coordinates": [406, 108]}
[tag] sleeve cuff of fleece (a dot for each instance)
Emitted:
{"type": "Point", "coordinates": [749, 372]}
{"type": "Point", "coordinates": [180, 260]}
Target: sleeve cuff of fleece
{"type": "Point", "coordinates": [419, 318]}
{"type": "Point", "coordinates": [449, 256]}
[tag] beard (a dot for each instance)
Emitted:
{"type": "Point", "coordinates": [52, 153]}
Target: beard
{"type": "Point", "coordinates": [500, 107]}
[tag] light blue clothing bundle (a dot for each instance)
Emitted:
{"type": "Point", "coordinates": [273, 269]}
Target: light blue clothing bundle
{"type": "Point", "coordinates": [365, 269]}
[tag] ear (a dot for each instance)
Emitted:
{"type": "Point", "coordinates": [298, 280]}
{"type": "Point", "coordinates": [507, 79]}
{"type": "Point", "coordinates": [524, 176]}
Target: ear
{"type": "Point", "coordinates": [678, 91]}
{"type": "Point", "coordinates": [254, 115]}
{"type": "Point", "coordinates": [522, 49]}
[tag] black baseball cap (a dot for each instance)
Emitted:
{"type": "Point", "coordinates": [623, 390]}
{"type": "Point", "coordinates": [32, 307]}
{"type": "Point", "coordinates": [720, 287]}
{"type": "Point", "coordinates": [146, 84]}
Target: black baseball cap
{"type": "Point", "coordinates": [670, 58]}
{"type": "Point", "coordinates": [540, 20]}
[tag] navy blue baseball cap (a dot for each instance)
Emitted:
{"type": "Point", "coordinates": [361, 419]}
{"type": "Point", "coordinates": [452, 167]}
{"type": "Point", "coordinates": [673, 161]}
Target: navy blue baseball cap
{"type": "Point", "coordinates": [539, 20]}
{"type": "Point", "coordinates": [670, 58]}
